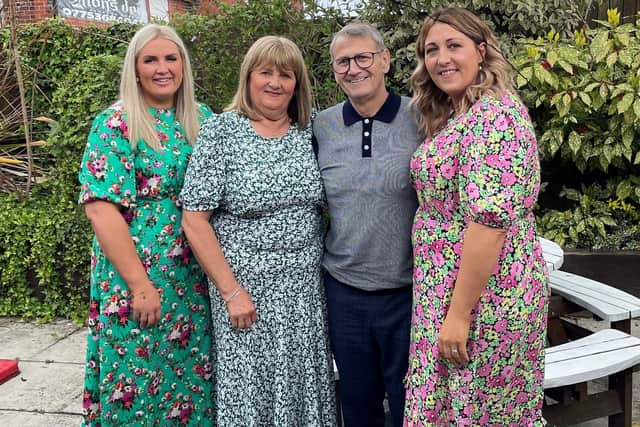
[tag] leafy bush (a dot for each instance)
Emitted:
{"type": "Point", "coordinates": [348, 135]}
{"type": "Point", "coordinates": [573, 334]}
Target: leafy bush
{"type": "Point", "coordinates": [400, 21]}
{"type": "Point", "coordinates": [43, 256]}
{"type": "Point", "coordinates": [218, 43]}
{"type": "Point", "coordinates": [583, 96]}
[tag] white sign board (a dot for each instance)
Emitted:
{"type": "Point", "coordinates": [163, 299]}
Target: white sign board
{"type": "Point", "coordinates": [104, 10]}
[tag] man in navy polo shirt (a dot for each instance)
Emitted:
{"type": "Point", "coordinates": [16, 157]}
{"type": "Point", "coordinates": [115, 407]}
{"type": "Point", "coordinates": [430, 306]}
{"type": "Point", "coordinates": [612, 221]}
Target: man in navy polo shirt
{"type": "Point", "coordinates": [364, 146]}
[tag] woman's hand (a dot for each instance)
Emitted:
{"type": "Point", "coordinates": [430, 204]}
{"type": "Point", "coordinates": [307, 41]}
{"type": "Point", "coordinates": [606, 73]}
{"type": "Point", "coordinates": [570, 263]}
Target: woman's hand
{"type": "Point", "coordinates": [242, 311]}
{"type": "Point", "coordinates": [452, 340]}
{"type": "Point", "coordinates": [145, 304]}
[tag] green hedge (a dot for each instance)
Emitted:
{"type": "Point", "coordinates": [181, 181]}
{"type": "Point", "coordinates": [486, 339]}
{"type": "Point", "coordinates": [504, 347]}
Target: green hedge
{"type": "Point", "coordinates": [74, 73]}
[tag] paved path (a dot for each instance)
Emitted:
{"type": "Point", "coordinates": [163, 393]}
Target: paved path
{"type": "Point", "coordinates": [48, 390]}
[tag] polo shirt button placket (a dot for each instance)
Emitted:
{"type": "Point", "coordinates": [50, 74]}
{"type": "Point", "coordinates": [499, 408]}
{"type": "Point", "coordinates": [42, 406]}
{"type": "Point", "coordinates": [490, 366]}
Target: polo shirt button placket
{"type": "Point", "coordinates": [366, 137]}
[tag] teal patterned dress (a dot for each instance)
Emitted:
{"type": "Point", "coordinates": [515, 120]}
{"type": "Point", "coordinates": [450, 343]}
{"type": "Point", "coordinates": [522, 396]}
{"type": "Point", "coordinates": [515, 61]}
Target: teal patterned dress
{"type": "Point", "coordinates": [160, 375]}
{"type": "Point", "coordinates": [265, 194]}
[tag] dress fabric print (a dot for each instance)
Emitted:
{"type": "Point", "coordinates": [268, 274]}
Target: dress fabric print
{"type": "Point", "coordinates": [160, 375]}
{"type": "Point", "coordinates": [482, 167]}
{"type": "Point", "coordinates": [265, 194]}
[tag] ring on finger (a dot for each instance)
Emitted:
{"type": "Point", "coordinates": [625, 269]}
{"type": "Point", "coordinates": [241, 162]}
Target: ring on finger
{"type": "Point", "coordinates": [454, 351]}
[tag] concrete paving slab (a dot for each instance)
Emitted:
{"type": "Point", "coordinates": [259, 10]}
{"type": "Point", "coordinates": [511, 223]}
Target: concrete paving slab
{"type": "Point", "coordinates": [28, 419]}
{"type": "Point", "coordinates": [43, 387]}
{"type": "Point", "coordinates": [69, 350]}
{"type": "Point", "coordinates": [21, 339]}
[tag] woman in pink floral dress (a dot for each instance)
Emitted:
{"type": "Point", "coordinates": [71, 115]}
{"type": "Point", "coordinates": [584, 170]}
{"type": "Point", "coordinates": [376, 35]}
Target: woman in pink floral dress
{"type": "Point", "coordinates": [480, 284]}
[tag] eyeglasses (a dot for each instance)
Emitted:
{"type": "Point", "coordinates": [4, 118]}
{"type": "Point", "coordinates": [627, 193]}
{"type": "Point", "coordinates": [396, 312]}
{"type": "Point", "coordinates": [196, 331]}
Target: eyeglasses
{"type": "Point", "coordinates": [363, 60]}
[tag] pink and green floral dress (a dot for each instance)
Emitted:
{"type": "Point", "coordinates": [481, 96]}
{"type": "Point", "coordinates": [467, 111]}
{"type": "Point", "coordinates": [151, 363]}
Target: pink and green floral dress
{"type": "Point", "coordinates": [482, 167]}
{"type": "Point", "coordinates": [161, 375]}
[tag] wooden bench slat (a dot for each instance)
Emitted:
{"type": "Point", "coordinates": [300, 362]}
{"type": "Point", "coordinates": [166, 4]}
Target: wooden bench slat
{"type": "Point", "coordinates": [552, 253]}
{"type": "Point", "coordinates": [598, 355]}
{"type": "Point", "coordinates": [551, 247]}
{"type": "Point", "coordinates": [595, 338]}
{"type": "Point", "coordinates": [603, 300]}
{"type": "Point", "coordinates": [612, 293]}
{"type": "Point", "coordinates": [578, 353]}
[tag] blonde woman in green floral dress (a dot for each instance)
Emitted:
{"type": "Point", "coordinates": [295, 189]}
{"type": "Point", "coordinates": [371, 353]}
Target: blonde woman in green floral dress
{"type": "Point", "coordinates": [148, 354]}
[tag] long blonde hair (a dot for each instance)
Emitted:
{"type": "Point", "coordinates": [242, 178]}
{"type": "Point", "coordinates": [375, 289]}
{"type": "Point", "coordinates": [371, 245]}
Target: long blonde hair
{"type": "Point", "coordinates": [139, 119]}
{"type": "Point", "coordinates": [284, 55]}
{"type": "Point", "coordinates": [495, 78]}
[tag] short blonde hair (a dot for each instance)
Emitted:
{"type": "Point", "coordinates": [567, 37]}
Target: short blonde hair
{"type": "Point", "coordinates": [139, 119]}
{"type": "Point", "coordinates": [495, 78]}
{"type": "Point", "coordinates": [284, 55]}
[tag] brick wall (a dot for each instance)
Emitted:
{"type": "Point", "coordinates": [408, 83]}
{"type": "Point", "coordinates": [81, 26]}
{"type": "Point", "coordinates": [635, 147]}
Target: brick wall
{"type": "Point", "coordinates": [30, 10]}
{"type": "Point", "coordinates": [37, 10]}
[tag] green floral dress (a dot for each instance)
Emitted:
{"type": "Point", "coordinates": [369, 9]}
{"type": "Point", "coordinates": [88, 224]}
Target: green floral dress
{"type": "Point", "coordinates": [265, 194]}
{"type": "Point", "coordinates": [160, 375]}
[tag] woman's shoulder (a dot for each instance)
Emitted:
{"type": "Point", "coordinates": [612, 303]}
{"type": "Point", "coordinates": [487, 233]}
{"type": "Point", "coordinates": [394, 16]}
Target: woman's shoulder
{"type": "Point", "coordinates": [114, 111]}
{"type": "Point", "coordinates": [508, 105]}
{"type": "Point", "coordinates": [204, 111]}
{"type": "Point", "coordinates": [112, 118]}
{"type": "Point", "coordinates": [508, 101]}
{"type": "Point", "coordinates": [218, 127]}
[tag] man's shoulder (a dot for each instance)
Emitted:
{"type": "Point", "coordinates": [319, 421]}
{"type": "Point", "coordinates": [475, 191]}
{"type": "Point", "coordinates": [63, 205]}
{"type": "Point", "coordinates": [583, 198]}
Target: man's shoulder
{"type": "Point", "coordinates": [331, 111]}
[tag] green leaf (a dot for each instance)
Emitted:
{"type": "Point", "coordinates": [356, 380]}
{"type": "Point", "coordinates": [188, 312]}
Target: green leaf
{"type": "Point", "coordinates": [575, 142]}
{"type": "Point", "coordinates": [625, 57]}
{"type": "Point", "coordinates": [585, 98]}
{"type": "Point", "coordinates": [603, 91]}
{"type": "Point", "coordinates": [627, 136]}
{"type": "Point", "coordinates": [603, 161]}
{"type": "Point", "coordinates": [565, 66]}
{"type": "Point", "coordinates": [636, 161]}
{"type": "Point", "coordinates": [600, 46]}
{"type": "Point", "coordinates": [624, 190]}
{"type": "Point", "coordinates": [591, 86]}
{"type": "Point", "coordinates": [624, 38]}
{"type": "Point", "coordinates": [572, 56]}
{"type": "Point", "coordinates": [573, 234]}
{"type": "Point", "coordinates": [612, 59]}
{"type": "Point", "coordinates": [636, 108]}
{"type": "Point", "coordinates": [545, 76]}
{"type": "Point", "coordinates": [552, 57]}
{"type": "Point", "coordinates": [625, 103]}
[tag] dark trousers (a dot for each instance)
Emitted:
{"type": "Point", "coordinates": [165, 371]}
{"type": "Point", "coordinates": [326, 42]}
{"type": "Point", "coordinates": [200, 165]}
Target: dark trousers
{"type": "Point", "coordinates": [369, 333]}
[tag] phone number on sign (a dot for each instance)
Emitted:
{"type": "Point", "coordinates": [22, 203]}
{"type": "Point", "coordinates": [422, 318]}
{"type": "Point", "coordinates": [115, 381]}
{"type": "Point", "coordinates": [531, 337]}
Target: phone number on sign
{"type": "Point", "coordinates": [96, 16]}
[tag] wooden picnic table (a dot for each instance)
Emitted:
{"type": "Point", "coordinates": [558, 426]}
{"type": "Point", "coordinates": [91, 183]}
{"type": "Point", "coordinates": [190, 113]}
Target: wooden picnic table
{"type": "Point", "coordinates": [576, 355]}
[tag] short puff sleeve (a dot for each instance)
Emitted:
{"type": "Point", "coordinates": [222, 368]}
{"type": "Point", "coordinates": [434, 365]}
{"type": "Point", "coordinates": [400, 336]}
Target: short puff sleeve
{"type": "Point", "coordinates": [204, 183]}
{"type": "Point", "coordinates": [107, 170]}
{"type": "Point", "coordinates": [497, 171]}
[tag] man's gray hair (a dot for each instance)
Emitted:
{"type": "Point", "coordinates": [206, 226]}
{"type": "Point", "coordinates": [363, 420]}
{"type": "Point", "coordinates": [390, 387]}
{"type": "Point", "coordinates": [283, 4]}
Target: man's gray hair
{"type": "Point", "coordinates": [358, 29]}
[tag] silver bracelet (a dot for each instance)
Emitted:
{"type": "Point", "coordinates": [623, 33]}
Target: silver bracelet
{"type": "Point", "coordinates": [233, 295]}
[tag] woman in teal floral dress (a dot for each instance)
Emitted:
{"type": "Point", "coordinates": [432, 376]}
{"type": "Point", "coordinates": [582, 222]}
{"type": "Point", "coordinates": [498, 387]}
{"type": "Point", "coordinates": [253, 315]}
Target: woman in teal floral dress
{"type": "Point", "coordinates": [252, 200]}
{"type": "Point", "coordinates": [148, 354]}
{"type": "Point", "coordinates": [480, 284]}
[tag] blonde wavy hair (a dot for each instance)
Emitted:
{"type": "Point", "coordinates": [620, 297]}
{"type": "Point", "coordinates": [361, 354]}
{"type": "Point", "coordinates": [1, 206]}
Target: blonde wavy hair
{"type": "Point", "coordinates": [139, 119]}
{"type": "Point", "coordinates": [284, 55]}
{"type": "Point", "coordinates": [431, 105]}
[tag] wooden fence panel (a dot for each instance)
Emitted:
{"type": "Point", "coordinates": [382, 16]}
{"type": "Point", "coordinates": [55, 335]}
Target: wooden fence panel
{"type": "Point", "coordinates": [628, 8]}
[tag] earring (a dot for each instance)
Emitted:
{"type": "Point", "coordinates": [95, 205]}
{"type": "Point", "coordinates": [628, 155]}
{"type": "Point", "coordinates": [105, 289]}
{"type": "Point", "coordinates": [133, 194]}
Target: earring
{"type": "Point", "coordinates": [138, 78]}
{"type": "Point", "coordinates": [480, 67]}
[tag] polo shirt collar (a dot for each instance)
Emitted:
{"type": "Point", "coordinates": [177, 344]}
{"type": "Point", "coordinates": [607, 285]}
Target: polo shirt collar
{"type": "Point", "coordinates": [386, 114]}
